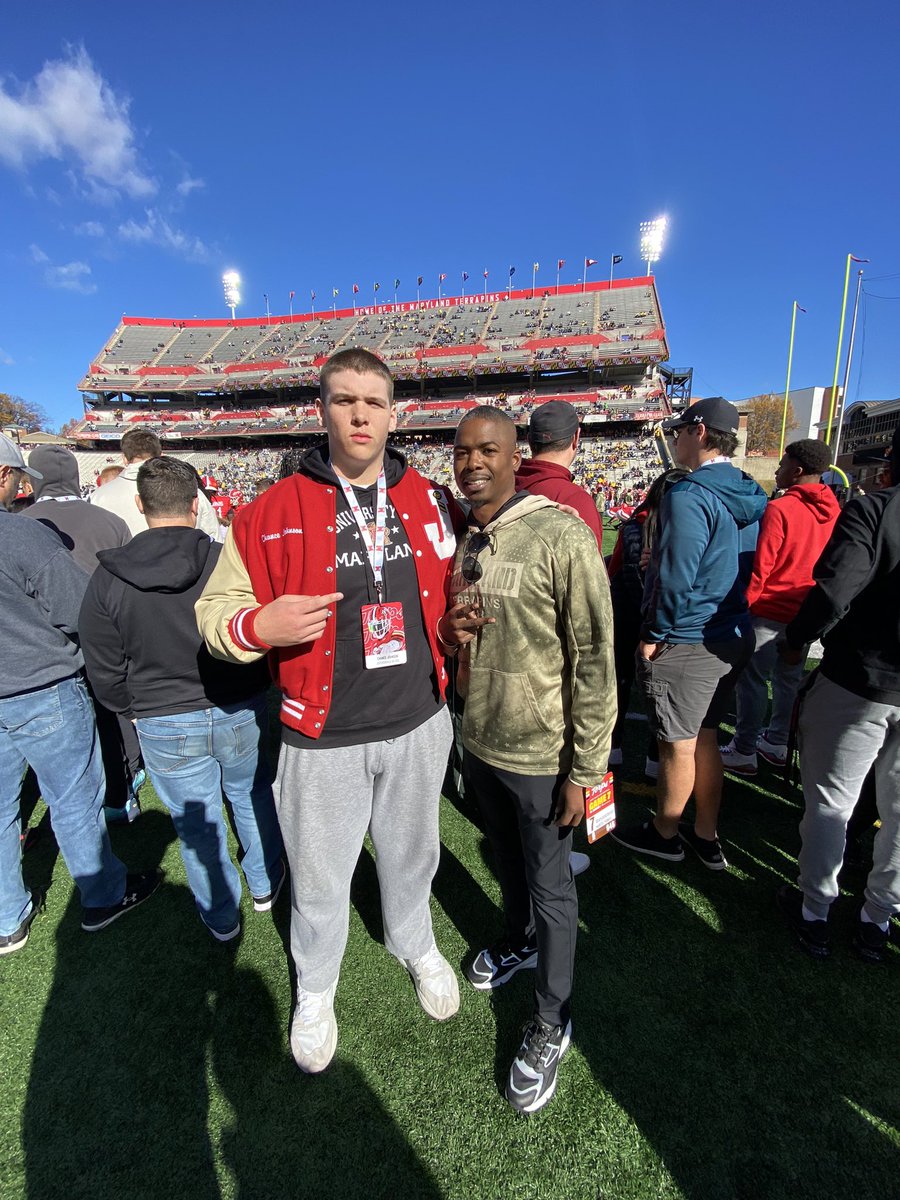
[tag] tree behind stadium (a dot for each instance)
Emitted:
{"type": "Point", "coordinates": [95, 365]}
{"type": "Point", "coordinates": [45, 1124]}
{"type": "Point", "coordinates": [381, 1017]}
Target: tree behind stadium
{"type": "Point", "coordinates": [764, 417]}
{"type": "Point", "coordinates": [16, 411]}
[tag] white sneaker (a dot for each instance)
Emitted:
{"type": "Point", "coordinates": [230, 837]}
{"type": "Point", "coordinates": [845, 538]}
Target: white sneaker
{"type": "Point", "coordinates": [436, 984]}
{"type": "Point", "coordinates": [578, 862]}
{"type": "Point", "coordinates": [314, 1030]}
{"type": "Point", "coordinates": [736, 762]}
{"type": "Point", "coordinates": [772, 752]}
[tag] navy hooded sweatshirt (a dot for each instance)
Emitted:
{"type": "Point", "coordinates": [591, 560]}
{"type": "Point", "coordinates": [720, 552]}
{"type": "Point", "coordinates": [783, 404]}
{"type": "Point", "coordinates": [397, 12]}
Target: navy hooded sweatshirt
{"type": "Point", "coordinates": [703, 557]}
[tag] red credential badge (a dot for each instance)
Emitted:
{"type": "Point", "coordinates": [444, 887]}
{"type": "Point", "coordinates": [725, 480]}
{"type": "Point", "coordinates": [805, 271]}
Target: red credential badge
{"type": "Point", "coordinates": [384, 636]}
{"type": "Point", "coordinates": [600, 808]}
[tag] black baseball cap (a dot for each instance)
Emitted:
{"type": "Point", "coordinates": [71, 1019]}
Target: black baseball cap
{"type": "Point", "coordinates": [553, 421]}
{"type": "Point", "coordinates": [714, 412]}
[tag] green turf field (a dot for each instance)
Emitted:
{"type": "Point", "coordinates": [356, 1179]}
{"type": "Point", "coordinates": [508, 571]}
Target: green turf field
{"type": "Point", "coordinates": [711, 1058]}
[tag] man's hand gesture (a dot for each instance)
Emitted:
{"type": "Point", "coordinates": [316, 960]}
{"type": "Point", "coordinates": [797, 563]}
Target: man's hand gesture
{"type": "Point", "coordinates": [293, 620]}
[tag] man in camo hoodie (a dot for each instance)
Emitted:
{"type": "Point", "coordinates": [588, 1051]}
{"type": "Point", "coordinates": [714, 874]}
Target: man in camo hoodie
{"type": "Point", "coordinates": [531, 593]}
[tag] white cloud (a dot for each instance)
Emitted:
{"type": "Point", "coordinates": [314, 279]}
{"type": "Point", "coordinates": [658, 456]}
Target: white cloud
{"type": "Point", "coordinates": [6, 360]}
{"type": "Point", "coordinates": [90, 229]}
{"type": "Point", "coordinates": [156, 231]}
{"type": "Point", "coordinates": [69, 111]}
{"type": "Point", "coordinates": [71, 277]}
{"type": "Point", "coordinates": [189, 185]}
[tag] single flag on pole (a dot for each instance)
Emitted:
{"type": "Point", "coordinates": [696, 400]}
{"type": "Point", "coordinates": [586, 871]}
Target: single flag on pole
{"type": "Point", "coordinates": [617, 258]}
{"type": "Point", "coordinates": [536, 266]}
{"type": "Point", "coordinates": [356, 289]}
{"type": "Point", "coordinates": [291, 296]}
{"type": "Point", "coordinates": [335, 292]}
{"type": "Point", "coordinates": [419, 280]}
{"type": "Point", "coordinates": [312, 295]}
{"type": "Point", "coordinates": [465, 276]}
{"type": "Point", "coordinates": [590, 262]}
{"type": "Point", "coordinates": [560, 263]}
{"type": "Point", "coordinates": [442, 277]}
{"type": "Point", "coordinates": [396, 284]}
{"type": "Point", "coordinates": [376, 287]}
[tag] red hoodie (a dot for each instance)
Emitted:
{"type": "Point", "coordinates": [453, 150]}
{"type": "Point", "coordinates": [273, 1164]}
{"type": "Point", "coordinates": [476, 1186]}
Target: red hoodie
{"type": "Point", "coordinates": [544, 478]}
{"type": "Point", "coordinates": [792, 534]}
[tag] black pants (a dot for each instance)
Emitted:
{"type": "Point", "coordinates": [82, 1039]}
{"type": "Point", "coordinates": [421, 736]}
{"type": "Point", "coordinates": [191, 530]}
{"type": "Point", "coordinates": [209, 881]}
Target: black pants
{"type": "Point", "coordinates": [531, 856]}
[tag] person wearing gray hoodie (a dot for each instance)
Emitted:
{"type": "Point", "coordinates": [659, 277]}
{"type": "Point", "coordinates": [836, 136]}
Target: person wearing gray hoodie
{"type": "Point", "coordinates": [85, 530]}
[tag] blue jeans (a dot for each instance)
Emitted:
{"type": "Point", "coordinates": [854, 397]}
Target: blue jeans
{"type": "Point", "coordinates": [53, 730]}
{"type": "Point", "coordinates": [193, 758]}
{"type": "Point", "coordinates": [753, 693]}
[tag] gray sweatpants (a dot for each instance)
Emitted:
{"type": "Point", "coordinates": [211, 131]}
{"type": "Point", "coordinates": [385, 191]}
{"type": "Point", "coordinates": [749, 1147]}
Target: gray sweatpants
{"type": "Point", "coordinates": [841, 736]}
{"type": "Point", "coordinates": [326, 801]}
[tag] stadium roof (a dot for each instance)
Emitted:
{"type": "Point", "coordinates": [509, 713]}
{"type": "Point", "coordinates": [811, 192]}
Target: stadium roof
{"type": "Point", "coordinates": [499, 333]}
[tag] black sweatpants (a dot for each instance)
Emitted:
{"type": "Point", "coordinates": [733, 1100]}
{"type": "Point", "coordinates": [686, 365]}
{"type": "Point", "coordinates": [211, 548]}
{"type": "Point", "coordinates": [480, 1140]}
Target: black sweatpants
{"type": "Point", "coordinates": [531, 856]}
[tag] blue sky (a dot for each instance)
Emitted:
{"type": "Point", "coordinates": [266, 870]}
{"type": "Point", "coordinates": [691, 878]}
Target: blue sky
{"type": "Point", "coordinates": [144, 150]}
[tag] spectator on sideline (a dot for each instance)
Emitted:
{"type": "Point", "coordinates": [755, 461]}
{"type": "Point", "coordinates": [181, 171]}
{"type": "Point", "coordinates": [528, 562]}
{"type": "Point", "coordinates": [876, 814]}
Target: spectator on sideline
{"type": "Point", "coordinates": [850, 718]}
{"type": "Point", "coordinates": [47, 723]}
{"type": "Point", "coordinates": [108, 474]}
{"type": "Point", "coordinates": [554, 437]}
{"type": "Point", "coordinates": [792, 534]}
{"type": "Point", "coordinates": [85, 529]}
{"type": "Point", "coordinates": [626, 586]}
{"type": "Point", "coordinates": [340, 573]}
{"type": "Point", "coordinates": [119, 496]}
{"type": "Point", "coordinates": [697, 635]}
{"type": "Point", "coordinates": [540, 707]}
{"type": "Point", "coordinates": [200, 721]}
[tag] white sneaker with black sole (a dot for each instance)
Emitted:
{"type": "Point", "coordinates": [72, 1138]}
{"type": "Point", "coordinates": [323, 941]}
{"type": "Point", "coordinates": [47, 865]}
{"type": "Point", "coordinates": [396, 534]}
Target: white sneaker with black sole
{"type": "Point", "coordinates": [491, 968]}
{"type": "Point", "coordinates": [314, 1030]}
{"type": "Point", "coordinates": [533, 1074]}
{"type": "Point", "coordinates": [267, 902]}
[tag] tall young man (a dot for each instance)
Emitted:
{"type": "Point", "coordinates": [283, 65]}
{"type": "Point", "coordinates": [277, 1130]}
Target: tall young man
{"type": "Point", "coordinates": [531, 600]}
{"type": "Point", "coordinates": [697, 635]}
{"type": "Point", "coordinates": [340, 574]}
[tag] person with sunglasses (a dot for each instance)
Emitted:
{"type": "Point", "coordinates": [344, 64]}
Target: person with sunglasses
{"type": "Point", "coordinates": [530, 600]}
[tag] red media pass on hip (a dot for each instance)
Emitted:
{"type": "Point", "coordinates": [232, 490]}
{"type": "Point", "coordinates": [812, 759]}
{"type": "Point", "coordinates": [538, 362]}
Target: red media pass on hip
{"type": "Point", "coordinates": [600, 808]}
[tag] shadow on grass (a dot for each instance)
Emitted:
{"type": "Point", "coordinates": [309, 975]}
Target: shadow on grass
{"type": "Point", "coordinates": [162, 1069]}
{"type": "Point", "coordinates": [753, 1072]}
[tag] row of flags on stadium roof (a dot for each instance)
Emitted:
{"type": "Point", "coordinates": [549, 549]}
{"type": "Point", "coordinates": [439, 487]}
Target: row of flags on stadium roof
{"type": "Point", "coordinates": [614, 260]}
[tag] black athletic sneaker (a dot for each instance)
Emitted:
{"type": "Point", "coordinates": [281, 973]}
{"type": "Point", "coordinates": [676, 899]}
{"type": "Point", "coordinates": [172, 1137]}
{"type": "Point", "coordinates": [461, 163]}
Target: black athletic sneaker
{"type": "Point", "coordinates": [138, 888]}
{"type": "Point", "coordinates": [707, 850]}
{"type": "Point", "coordinates": [532, 1076]}
{"type": "Point", "coordinates": [265, 903]}
{"type": "Point", "coordinates": [494, 966]}
{"type": "Point", "coordinates": [11, 942]}
{"type": "Point", "coordinates": [813, 936]}
{"type": "Point", "coordinates": [646, 839]}
{"type": "Point", "coordinates": [869, 942]}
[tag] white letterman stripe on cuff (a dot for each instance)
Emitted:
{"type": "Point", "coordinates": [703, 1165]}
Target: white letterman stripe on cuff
{"type": "Point", "coordinates": [237, 630]}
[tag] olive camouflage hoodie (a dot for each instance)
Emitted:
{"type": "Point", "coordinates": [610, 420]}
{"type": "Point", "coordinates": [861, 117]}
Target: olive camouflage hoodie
{"type": "Point", "coordinates": [541, 697]}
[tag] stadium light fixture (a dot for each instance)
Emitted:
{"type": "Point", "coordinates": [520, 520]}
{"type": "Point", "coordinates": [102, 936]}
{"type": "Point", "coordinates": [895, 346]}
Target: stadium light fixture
{"type": "Point", "coordinates": [653, 236]}
{"type": "Point", "coordinates": [231, 283]}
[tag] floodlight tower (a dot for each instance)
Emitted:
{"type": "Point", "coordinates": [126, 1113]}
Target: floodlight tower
{"type": "Point", "coordinates": [653, 235]}
{"type": "Point", "coordinates": [231, 283]}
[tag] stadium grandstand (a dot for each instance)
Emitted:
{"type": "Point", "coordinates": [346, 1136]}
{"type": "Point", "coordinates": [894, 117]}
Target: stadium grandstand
{"type": "Point", "coordinates": [232, 396]}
